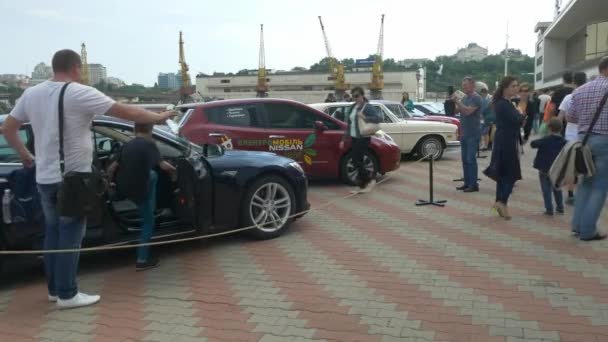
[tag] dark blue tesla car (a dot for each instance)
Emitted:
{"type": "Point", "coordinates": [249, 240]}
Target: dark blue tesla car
{"type": "Point", "coordinates": [215, 190]}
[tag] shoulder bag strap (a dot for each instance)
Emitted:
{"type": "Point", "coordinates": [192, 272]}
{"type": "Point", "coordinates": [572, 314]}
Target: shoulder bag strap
{"type": "Point", "coordinates": [61, 154]}
{"type": "Point", "coordinates": [595, 118]}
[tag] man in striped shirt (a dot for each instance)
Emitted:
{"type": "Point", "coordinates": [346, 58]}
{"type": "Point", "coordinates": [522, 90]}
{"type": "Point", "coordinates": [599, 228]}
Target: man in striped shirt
{"type": "Point", "coordinates": [591, 192]}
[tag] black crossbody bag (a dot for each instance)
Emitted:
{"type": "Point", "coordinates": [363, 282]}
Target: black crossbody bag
{"type": "Point", "coordinates": [80, 192]}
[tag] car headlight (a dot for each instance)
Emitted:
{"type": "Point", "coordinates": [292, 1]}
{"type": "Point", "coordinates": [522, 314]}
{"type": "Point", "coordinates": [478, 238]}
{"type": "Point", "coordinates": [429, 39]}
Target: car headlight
{"type": "Point", "coordinates": [297, 166]}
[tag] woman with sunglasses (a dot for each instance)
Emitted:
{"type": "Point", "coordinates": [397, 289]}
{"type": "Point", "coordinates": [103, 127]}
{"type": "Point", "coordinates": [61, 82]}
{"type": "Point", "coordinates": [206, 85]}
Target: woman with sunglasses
{"type": "Point", "coordinates": [525, 105]}
{"type": "Point", "coordinates": [360, 144]}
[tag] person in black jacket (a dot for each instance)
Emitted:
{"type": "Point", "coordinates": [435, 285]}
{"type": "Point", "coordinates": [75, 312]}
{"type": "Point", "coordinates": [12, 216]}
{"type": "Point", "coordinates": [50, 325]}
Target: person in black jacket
{"type": "Point", "coordinates": [548, 149]}
{"type": "Point", "coordinates": [504, 166]}
{"type": "Point", "coordinates": [360, 144]}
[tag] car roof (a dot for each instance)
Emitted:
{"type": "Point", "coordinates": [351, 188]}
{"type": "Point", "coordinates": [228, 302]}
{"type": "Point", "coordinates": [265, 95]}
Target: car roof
{"type": "Point", "coordinates": [237, 102]}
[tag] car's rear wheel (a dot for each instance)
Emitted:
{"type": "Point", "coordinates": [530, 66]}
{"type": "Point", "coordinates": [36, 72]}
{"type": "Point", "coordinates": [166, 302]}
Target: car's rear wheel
{"type": "Point", "coordinates": [268, 205]}
{"type": "Point", "coordinates": [349, 173]}
{"type": "Point", "coordinates": [430, 145]}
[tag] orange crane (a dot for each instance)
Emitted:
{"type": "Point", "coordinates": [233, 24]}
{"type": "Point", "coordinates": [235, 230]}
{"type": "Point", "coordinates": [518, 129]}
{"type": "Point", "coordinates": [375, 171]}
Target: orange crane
{"type": "Point", "coordinates": [336, 68]}
{"type": "Point", "coordinates": [186, 89]}
{"type": "Point", "coordinates": [262, 86]}
{"type": "Point", "coordinates": [84, 79]}
{"type": "Point", "coordinates": [377, 73]}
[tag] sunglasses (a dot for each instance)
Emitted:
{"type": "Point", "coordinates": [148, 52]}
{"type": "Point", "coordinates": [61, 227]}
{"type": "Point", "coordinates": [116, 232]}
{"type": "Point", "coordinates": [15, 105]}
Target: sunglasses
{"type": "Point", "coordinates": [356, 96]}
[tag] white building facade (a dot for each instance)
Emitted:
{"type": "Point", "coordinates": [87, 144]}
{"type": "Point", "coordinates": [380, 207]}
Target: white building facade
{"type": "Point", "coordinates": [97, 73]}
{"type": "Point", "coordinates": [303, 87]}
{"type": "Point", "coordinates": [472, 52]}
{"type": "Point", "coordinates": [574, 41]}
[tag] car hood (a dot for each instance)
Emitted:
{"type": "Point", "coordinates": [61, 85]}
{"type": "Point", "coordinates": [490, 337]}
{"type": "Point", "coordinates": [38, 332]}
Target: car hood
{"type": "Point", "coordinates": [239, 158]}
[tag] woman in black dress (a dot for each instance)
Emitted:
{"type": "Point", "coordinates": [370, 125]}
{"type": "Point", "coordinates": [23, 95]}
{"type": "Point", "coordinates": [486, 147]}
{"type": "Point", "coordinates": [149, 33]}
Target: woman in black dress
{"type": "Point", "coordinates": [504, 166]}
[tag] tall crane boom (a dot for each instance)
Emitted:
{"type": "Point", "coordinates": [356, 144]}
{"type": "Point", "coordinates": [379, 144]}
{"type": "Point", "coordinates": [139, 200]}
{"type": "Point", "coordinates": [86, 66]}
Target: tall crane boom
{"type": "Point", "coordinates": [336, 68]}
{"type": "Point", "coordinates": [186, 88]}
{"type": "Point", "coordinates": [84, 79]}
{"type": "Point", "coordinates": [262, 86]}
{"type": "Point", "coordinates": [377, 73]}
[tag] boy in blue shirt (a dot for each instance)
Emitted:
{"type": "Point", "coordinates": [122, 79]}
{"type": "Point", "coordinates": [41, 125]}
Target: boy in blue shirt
{"type": "Point", "coordinates": [548, 149]}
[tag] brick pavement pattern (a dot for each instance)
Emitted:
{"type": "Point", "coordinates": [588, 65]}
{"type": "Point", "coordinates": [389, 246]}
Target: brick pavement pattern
{"type": "Point", "coordinates": [372, 267]}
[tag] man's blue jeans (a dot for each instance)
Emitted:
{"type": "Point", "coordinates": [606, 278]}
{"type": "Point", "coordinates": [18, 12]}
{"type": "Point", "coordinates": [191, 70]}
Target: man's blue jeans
{"type": "Point", "coordinates": [468, 149]}
{"type": "Point", "coordinates": [591, 191]}
{"type": "Point", "coordinates": [146, 212]}
{"type": "Point", "coordinates": [549, 192]}
{"type": "Point", "coordinates": [60, 233]}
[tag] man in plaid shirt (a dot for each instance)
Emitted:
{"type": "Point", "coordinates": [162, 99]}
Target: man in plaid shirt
{"type": "Point", "coordinates": [591, 192]}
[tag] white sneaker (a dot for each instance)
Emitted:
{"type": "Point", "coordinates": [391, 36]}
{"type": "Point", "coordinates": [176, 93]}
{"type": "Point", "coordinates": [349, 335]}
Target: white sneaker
{"type": "Point", "coordinates": [53, 299]}
{"type": "Point", "coordinates": [356, 191]}
{"type": "Point", "coordinates": [369, 187]}
{"type": "Point", "coordinates": [79, 300]}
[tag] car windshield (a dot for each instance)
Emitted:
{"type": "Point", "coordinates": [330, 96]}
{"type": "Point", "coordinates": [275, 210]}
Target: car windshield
{"type": "Point", "coordinates": [398, 110]}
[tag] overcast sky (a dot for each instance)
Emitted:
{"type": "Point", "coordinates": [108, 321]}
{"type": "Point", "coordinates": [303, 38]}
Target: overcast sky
{"type": "Point", "coordinates": [136, 40]}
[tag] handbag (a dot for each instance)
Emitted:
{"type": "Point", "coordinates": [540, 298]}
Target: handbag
{"type": "Point", "coordinates": [80, 192]}
{"type": "Point", "coordinates": [583, 160]}
{"type": "Point", "coordinates": [367, 129]}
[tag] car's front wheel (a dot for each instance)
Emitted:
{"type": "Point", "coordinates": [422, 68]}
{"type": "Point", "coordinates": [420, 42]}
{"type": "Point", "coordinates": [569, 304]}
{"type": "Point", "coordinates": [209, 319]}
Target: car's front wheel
{"type": "Point", "coordinates": [268, 205]}
{"type": "Point", "coordinates": [431, 145]}
{"type": "Point", "coordinates": [350, 173]}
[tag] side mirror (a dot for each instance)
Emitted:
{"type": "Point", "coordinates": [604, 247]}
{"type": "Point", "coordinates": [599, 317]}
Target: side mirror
{"type": "Point", "coordinates": [213, 150]}
{"type": "Point", "coordinates": [320, 126]}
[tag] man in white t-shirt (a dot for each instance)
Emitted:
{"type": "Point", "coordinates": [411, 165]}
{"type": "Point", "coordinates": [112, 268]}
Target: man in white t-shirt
{"type": "Point", "coordinates": [571, 134]}
{"type": "Point", "coordinates": [39, 107]}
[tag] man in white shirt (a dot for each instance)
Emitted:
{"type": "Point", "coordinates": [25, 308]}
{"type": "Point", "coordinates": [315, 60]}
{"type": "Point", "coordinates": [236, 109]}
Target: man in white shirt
{"type": "Point", "coordinates": [571, 134]}
{"type": "Point", "coordinates": [39, 107]}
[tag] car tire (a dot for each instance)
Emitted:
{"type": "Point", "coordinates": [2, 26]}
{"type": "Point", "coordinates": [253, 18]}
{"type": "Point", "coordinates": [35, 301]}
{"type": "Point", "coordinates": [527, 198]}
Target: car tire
{"type": "Point", "coordinates": [257, 204]}
{"type": "Point", "coordinates": [346, 167]}
{"type": "Point", "coordinates": [430, 143]}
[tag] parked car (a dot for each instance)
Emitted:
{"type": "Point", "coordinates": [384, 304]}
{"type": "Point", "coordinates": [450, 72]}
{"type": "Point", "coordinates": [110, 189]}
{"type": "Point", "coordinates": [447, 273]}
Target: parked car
{"type": "Point", "coordinates": [413, 136]}
{"type": "Point", "coordinates": [430, 108]}
{"type": "Point", "coordinates": [287, 128]}
{"type": "Point", "coordinates": [415, 114]}
{"type": "Point", "coordinates": [215, 190]}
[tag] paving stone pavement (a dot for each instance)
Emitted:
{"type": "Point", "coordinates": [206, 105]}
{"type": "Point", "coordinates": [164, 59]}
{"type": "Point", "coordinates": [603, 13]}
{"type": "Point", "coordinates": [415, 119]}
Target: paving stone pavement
{"type": "Point", "coordinates": [371, 267]}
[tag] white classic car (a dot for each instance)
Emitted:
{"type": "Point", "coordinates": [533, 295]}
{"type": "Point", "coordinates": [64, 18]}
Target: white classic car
{"type": "Point", "coordinates": [413, 136]}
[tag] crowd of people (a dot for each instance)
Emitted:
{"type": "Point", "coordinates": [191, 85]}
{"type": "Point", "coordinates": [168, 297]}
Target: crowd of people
{"type": "Point", "coordinates": [506, 122]}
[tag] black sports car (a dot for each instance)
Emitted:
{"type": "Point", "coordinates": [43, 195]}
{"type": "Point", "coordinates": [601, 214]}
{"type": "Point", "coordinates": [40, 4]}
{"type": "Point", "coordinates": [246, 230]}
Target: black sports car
{"type": "Point", "coordinates": [215, 190]}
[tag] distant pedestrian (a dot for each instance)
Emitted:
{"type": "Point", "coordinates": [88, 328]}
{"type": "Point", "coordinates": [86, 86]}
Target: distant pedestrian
{"type": "Point", "coordinates": [543, 99]}
{"type": "Point", "coordinates": [580, 78]}
{"type": "Point", "coordinates": [360, 143]}
{"type": "Point", "coordinates": [347, 98]}
{"type": "Point", "coordinates": [488, 119]}
{"type": "Point", "coordinates": [449, 106]}
{"type": "Point", "coordinates": [39, 106]}
{"type": "Point", "coordinates": [137, 168]}
{"type": "Point", "coordinates": [504, 166]}
{"type": "Point", "coordinates": [330, 98]}
{"type": "Point", "coordinates": [470, 122]}
{"type": "Point", "coordinates": [526, 107]}
{"type": "Point", "coordinates": [591, 191]}
{"type": "Point", "coordinates": [560, 94]}
{"type": "Point", "coordinates": [406, 102]}
{"type": "Point", "coordinates": [548, 149]}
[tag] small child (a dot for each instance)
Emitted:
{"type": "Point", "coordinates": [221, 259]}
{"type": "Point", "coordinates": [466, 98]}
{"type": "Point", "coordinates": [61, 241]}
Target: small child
{"type": "Point", "coordinates": [548, 149]}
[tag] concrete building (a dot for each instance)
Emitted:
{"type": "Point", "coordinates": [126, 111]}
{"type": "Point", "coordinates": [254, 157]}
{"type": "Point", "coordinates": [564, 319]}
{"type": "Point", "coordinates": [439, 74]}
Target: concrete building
{"type": "Point", "coordinates": [303, 87]}
{"type": "Point", "coordinates": [169, 80]}
{"type": "Point", "coordinates": [575, 41]}
{"type": "Point", "coordinates": [97, 73]}
{"type": "Point", "coordinates": [472, 52]}
{"type": "Point", "coordinates": [41, 73]}
{"type": "Point", "coordinates": [15, 79]}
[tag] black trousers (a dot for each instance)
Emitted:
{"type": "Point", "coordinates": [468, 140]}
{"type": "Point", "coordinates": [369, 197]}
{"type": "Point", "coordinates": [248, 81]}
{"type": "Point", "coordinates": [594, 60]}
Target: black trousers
{"type": "Point", "coordinates": [359, 149]}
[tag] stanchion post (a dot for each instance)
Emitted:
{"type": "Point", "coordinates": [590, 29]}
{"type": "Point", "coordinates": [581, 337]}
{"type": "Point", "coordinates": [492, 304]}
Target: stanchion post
{"type": "Point", "coordinates": [431, 201]}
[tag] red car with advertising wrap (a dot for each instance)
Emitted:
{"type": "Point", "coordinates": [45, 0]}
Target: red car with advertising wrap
{"type": "Point", "coordinates": [287, 128]}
